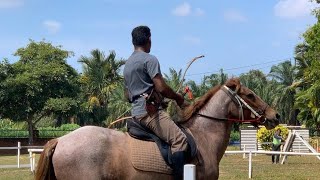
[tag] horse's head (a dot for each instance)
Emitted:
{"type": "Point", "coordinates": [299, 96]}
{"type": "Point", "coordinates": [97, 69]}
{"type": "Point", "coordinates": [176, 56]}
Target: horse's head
{"type": "Point", "coordinates": [249, 106]}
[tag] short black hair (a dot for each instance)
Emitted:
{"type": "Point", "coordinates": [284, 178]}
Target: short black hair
{"type": "Point", "coordinates": [140, 35]}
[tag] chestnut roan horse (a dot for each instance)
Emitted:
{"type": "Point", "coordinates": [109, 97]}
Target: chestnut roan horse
{"type": "Point", "coordinates": [99, 153]}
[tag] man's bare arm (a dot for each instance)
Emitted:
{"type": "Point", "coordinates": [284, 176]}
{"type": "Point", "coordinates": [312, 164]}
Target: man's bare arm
{"type": "Point", "coordinates": [162, 87]}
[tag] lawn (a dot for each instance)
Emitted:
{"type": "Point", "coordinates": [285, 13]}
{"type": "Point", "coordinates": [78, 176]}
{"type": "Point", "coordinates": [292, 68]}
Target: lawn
{"type": "Point", "coordinates": [232, 167]}
{"type": "Point", "coordinates": [15, 173]}
{"type": "Point", "coordinates": [296, 168]}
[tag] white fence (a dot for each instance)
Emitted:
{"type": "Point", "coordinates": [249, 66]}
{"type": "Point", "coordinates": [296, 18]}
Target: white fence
{"type": "Point", "coordinates": [267, 152]}
{"type": "Point", "coordinates": [18, 148]}
{"type": "Point", "coordinates": [249, 142]}
{"type": "Point", "coordinates": [18, 154]}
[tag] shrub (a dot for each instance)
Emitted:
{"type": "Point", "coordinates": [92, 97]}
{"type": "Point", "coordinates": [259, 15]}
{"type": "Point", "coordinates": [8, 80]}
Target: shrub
{"type": "Point", "coordinates": [234, 136]}
{"type": "Point", "coordinates": [69, 127]}
{"type": "Point", "coordinates": [8, 128]}
{"type": "Point", "coordinates": [6, 123]}
{"type": "Point", "coordinates": [265, 135]}
{"type": "Point", "coordinates": [57, 132]}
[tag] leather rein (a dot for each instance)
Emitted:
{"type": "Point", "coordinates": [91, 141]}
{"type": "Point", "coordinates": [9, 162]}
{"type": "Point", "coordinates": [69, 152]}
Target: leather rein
{"type": "Point", "coordinates": [242, 104]}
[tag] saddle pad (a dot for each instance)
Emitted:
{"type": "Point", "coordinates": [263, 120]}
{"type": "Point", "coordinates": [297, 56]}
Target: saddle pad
{"type": "Point", "coordinates": [145, 156]}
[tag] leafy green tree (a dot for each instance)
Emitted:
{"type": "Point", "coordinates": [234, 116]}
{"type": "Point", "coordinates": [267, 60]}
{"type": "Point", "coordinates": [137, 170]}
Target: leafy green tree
{"type": "Point", "coordinates": [40, 74]}
{"type": "Point", "coordinates": [257, 81]}
{"type": "Point", "coordinates": [285, 74]}
{"type": "Point", "coordinates": [118, 105]}
{"type": "Point", "coordinates": [254, 79]}
{"type": "Point", "coordinates": [215, 79]}
{"type": "Point", "coordinates": [99, 79]}
{"type": "Point", "coordinates": [198, 89]}
{"type": "Point", "coordinates": [174, 78]}
{"type": "Point", "coordinates": [308, 84]}
{"type": "Point", "coordinates": [5, 71]}
{"type": "Point", "coordinates": [207, 83]}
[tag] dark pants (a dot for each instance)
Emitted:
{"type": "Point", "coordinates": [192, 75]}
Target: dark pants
{"type": "Point", "coordinates": [275, 157]}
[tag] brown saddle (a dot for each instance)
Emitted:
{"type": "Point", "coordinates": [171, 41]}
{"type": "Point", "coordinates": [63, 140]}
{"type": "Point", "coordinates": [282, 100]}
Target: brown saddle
{"type": "Point", "coordinates": [145, 156]}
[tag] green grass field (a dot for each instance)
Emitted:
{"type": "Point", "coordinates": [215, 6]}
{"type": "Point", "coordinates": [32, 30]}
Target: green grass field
{"type": "Point", "coordinates": [232, 167]}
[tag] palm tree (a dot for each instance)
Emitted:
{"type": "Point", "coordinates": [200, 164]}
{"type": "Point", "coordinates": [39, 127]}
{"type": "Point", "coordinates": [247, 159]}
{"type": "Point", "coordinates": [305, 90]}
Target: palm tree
{"type": "Point", "coordinates": [255, 80]}
{"type": "Point", "coordinates": [174, 78]}
{"type": "Point", "coordinates": [100, 77]}
{"type": "Point", "coordinates": [198, 90]}
{"type": "Point", "coordinates": [216, 79]}
{"type": "Point", "coordinates": [118, 105]}
{"type": "Point", "coordinates": [285, 74]}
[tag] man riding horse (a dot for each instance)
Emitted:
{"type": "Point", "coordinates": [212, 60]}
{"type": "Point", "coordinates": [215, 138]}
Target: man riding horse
{"type": "Point", "coordinates": [145, 89]}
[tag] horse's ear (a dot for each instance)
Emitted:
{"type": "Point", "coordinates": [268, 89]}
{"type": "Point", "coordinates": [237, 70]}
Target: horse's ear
{"type": "Point", "coordinates": [234, 84]}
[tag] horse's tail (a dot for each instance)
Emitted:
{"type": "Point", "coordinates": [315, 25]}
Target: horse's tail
{"type": "Point", "coordinates": [45, 169]}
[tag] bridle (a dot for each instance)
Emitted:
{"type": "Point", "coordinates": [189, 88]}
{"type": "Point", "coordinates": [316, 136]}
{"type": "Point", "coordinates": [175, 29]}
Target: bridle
{"type": "Point", "coordinates": [259, 115]}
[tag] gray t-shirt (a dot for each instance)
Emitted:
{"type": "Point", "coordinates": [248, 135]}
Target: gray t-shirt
{"type": "Point", "coordinates": [138, 72]}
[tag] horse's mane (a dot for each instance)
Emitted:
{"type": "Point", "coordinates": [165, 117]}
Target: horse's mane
{"type": "Point", "coordinates": [189, 111]}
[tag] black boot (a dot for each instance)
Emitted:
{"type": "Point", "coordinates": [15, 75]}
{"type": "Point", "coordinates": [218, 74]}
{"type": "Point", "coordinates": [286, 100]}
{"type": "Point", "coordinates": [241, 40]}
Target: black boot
{"type": "Point", "coordinates": [178, 161]}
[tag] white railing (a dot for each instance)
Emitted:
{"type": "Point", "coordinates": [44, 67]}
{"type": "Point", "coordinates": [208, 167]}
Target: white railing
{"type": "Point", "coordinates": [18, 153]}
{"type": "Point", "coordinates": [267, 152]}
{"type": "Point", "coordinates": [33, 157]}
{"type": "Point", "coordinates": [18, 148]}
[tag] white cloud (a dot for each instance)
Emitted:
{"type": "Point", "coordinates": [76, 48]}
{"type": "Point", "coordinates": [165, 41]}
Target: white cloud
{"type": "Point", "coordinates": [192, 40]}
{"type": "Point", "coordinates": [182, 10]}
{"type": "Point", "coordinates": [234, 16]}
{"type": "Point", "coordinates": [11, 3]}
{"type": "Point", "coordinates": [290, 9]}
{"type": "Point", "coordinates": [52, 26]}
{"type": "Point", "coordinates": [185, 9]}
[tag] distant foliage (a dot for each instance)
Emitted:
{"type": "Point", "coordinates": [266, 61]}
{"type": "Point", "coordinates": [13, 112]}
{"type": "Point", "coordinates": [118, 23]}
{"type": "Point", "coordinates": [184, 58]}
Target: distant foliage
{"type": "Point", "coordinates": [6, 123]}
{"type": "Point", "coordinates": [9, 124]}
{"type": "Point", "coordinates": [234, 136]}
{"type": "Point", "coordinates": [69, 127]}
{"type": "Point", "coordinates": [10, 129]}
{"type": "Point", "coordinates": [265, 135]}
{"type": "Point", "coordinates": [57, 131]}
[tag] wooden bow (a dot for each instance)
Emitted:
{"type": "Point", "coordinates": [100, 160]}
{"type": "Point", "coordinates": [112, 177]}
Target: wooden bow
{"type": "Point", "coordinates": [180, 85]}
{"type": "Point", "coordinates": [185, 71]}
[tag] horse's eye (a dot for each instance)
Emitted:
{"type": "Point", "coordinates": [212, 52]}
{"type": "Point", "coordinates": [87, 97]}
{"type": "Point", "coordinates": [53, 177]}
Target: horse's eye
{"type": "Point", "coordinates": [250, 96]}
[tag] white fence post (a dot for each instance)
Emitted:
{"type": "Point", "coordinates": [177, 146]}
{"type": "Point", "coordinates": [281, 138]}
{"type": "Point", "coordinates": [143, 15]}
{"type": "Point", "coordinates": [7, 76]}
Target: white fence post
{"type": "Point", "coordinates": [189, 172]}
{"type": "Point", "coordinates": [19, 147]}
{"type": "Point", "coordinates": [244, 149]}
{"type": "Point", "coordinates": [30, 156]}
{"type": "Point", "coordinates": [250, 165]}
{"type": "Point", "coordinates": [33, 162]}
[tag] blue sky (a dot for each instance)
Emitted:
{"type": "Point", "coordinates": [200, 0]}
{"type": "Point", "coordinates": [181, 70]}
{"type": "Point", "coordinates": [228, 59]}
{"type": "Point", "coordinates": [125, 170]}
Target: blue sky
{"type": "Point", "coordinates": [236, 35]}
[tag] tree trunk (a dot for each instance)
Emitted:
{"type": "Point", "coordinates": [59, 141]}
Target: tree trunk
{"type": "Point", "coordinates": [293, 117]}
{"type": "Point", "coordinates": [30, 129]}
{"type": "Point", "coordinates": [58, 121]}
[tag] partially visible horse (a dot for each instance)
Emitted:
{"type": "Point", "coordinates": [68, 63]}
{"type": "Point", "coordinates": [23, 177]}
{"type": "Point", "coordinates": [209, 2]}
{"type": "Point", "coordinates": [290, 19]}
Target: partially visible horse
{"type": "Point", "coordinates": [99, 153]}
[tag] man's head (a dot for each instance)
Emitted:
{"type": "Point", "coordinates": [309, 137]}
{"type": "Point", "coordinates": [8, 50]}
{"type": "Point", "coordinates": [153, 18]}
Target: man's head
{"type": "Point", "coordinates": [278, 131]}
{"type": "Point", "coordinates": [141, 38]}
